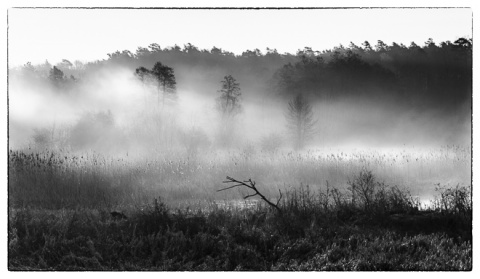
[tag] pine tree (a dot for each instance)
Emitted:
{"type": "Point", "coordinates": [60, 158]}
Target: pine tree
{"type": "Point", "coordinates": [300, 121]}
{"type": "Point", "coordinates": [166, 83]}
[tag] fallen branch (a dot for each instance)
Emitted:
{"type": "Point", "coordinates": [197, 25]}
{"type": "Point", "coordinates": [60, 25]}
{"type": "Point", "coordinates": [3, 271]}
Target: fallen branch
{"type": "Point", "coordinates": [251, 185]}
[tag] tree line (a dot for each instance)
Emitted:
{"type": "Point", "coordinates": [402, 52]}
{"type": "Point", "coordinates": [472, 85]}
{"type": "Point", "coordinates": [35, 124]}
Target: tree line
{"type": "Point", "coordinates": [425, 77]}
{"type": "Point", "coordinates": [439, 73]}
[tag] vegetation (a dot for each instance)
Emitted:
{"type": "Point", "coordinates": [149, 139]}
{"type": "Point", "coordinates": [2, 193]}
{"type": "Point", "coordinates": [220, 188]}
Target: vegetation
{"type": "Point", "coordinates": [166, 83]}
{"type": "Point", "coordinates": [399, 79]}
{"type": "Point", "coordinates": [93, 130]}
{"type": "Point", "coordinates": [60, 217]}
{"type": "Point", "coordinates": [406, 73]}
{"type": "Point", "coordinates": [403, 71]}
{"type": "Point", "coordinates": [427, 82]}
{"type": "Point", "coordinates": [300, 121]}
{"type": "Point", "coordinates": [324, 231]}
{"type": "Point", "coordinates": [81, 192]}
{"type": "Point", "coordinates": [229, 106]}
{"type": "Point", "coordinates": [56, 179]}
{"type": "Point", "coordinates": [164, 78]}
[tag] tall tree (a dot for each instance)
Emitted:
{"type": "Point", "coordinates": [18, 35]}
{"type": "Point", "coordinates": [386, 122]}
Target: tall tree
{"type": "Point", "coordinates": [56, 76]}
{"type": "Point", "coordinates": [154, 47]}
{"type": "Point", "coordinates": [366, 46]}
{"type": "Point", "coordinates": [228, 104]}
{"type": "Point", "coordinates": [300, 121]}
{"type": "Point", "coordinates": [166, 83]}
{"type": "Point", "coordinates": [28, 70]}
{"type": "Point", "coordinates": [144, 75]}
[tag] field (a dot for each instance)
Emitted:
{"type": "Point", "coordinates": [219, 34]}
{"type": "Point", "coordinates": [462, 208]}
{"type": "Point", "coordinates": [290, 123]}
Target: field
{"type": "Point", "coordinates": [402, 209]}
{"type": "Point", "coordinates": [138, 141]}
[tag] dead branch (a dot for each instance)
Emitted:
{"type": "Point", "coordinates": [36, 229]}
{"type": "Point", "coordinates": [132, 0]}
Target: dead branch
{"type": "Point", "coordinates": [251, 185]}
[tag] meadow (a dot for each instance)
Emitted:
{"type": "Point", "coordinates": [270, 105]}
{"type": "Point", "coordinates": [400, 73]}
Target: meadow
{"type": "Point", "coordinates": [356, 157]}
{"type": "Point", "coordinates": [59, 179]}
{"type": "Point", "coordinates": [383, 209]}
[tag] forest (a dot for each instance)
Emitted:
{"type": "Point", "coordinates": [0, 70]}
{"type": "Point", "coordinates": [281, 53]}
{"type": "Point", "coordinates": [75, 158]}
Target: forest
{"type": "Point", "coordinates": [429, 83]}
{"type": "Point", "coordinates": [180, 158]}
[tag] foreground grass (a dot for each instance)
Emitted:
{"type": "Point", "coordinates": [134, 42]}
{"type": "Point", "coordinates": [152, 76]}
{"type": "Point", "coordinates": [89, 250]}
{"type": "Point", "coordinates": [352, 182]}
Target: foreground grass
{"type": "Point", "coordinates": [60, 215]}
{"type": "Point", "coordinates": [301, 238]}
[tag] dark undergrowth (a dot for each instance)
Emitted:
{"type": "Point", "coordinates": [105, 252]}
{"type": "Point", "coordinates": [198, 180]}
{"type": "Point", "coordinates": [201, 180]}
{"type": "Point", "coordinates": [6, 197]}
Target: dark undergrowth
{"type": "Point", "coordinates": [370, 227]}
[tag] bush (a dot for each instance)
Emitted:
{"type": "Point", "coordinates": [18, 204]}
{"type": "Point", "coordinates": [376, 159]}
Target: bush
{"type": "Point", "coordinates": [456, 200]}
{"type": "Point", "coordinates": [156, 238]}
{"type": "Point", "coordinates": [95, 131]}
{"type": "Point", "coordinates": [363, 189]}
{"type": "Point", "coordinates": [377, 198]}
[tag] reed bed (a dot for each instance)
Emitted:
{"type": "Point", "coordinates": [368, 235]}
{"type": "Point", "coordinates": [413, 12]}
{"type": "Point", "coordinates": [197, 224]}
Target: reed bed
{"type": "Point", "coordinates": [63, 179]}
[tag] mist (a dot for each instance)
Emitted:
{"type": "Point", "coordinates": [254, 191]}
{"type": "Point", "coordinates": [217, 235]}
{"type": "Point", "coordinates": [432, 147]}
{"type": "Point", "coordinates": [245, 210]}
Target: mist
{"type": "Point", "coordinates": [176, 157]}
{"type": "Point", "coordinates": [282, 119]}
{"type": "Point", "coordinates": [347, 121]}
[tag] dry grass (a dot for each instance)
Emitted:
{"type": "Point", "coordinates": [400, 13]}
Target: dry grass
{"type": "Point", "coordinates": [339, 211]}
{"type": "Point", "coordinates": [56, 179]}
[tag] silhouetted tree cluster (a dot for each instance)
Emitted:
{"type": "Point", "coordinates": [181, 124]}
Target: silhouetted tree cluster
{"type": "Point", "coordinates": [164, 78]}
{"type": "Point", "coordinates": [56, 75]}
{"type": "Point", "coordinates": [432, 75]}
{"type": "Point", "coordinates": [46, 74]}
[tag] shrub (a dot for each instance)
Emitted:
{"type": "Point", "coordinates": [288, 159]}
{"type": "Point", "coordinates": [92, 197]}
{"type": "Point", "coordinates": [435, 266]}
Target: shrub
{"type": "Point", "coordinates": [363, 189]}
{"type": "Point", "coordinates": [456, 200]}
{"type": "Point", "coordinates": [377, 198]}
{"type": "Point", "coordinates": [94, 131]}
{"type": "Point", "coordinates": [158, 239]}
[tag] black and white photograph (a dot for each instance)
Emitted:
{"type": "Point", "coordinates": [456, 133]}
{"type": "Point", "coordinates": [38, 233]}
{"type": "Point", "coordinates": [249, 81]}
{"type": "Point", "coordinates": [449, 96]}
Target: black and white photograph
{"type": "Point", "coordinates": [260, 137]}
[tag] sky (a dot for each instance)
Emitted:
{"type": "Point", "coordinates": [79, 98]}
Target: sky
{"type": "Point", "coordinates": [36, 35]}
